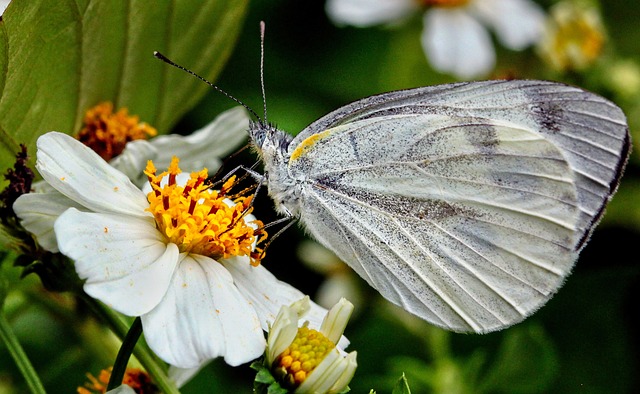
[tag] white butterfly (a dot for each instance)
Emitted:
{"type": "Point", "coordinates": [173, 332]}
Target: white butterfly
{"type": "Point", "coordinates": [466, 204]}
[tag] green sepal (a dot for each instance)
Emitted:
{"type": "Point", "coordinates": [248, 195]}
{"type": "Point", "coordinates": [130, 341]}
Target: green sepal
{"type": "Point", "coordinates": [265, 382]}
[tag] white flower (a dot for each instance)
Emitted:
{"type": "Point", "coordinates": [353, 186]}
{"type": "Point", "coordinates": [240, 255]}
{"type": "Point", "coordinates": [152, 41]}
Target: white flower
{"type": "Point", "coordinates": [193, 307]}
{"type": "Point", "coordinates": [455, 37]}
{"type": "Point", "coordinates": [310, 358]}
{"type": "Point", "coordinates": [339, 280]}
{"type": "Point", "coordinates": [202, 149]}
{"type": "Point", "coordinates": [574, 37]}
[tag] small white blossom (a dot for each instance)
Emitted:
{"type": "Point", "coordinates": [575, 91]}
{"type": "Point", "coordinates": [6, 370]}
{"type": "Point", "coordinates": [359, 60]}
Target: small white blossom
{"type": "Point", "coordinates": [455, 38]}
{"type": "Point", "coordinates": [574, 37]}
{"type": "Point", "coordinates": [311, 359]}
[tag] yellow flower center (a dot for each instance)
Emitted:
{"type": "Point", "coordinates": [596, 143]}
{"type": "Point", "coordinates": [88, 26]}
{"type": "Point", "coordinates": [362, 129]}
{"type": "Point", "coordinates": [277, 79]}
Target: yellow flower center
{"type": "Point", "coordinates": [200, 220]}
{"type": "Point", "coordinates": [574, 39]}
{"type": "Point", "coordinates": [581, 39]}
{"type": "Point", "coordinates": [135, 378]}
{"type": "Point", "coordinates": [444, 3]}
{"type": "Point", "coordinates": [307, 350]}
{"type": "Point", "coordinates": [107, 132]}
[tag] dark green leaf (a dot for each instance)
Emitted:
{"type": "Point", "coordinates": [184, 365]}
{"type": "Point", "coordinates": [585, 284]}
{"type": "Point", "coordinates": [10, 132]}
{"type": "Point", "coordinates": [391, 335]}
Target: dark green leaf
{"type": "Point", "coordinates": [59, 58]}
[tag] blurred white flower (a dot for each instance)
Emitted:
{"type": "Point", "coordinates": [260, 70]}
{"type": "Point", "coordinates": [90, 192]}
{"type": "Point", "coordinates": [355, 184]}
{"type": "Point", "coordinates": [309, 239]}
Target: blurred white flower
{"type": "Point", "coordinates": [177, 256]}
{"type": "Point", "coordinates": [339, 282]}
{"type": "Point", "coordinates": [574, 37]}
{"type": "Point", "coordinates": [309, 359]}
{"type": "Point", "coordinates": [455, 38]}
{"type": "Point", "coordinates": [624, 78]}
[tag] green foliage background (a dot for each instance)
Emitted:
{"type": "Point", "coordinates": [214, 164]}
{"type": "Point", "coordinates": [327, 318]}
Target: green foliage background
{"type": "Point", "coordinates": [584, 340]}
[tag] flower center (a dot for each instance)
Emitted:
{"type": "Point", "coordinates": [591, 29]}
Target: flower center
{"type": "Point", "coordinates": [107, 132]}
{"type": "Point", "coordinates": [443, 3]}
{"type": "Point", "coordinates": [200, 220]}
{"type": "Point", "coordinates": [307, 350]}
{"type": "Point", "coordinates": [580, 38]}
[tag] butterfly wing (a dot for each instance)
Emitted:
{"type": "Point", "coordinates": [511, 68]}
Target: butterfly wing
{"type": "Point", "coordinates": [590, 131]}
{"type": "Point", "coordinates": [459, 203]}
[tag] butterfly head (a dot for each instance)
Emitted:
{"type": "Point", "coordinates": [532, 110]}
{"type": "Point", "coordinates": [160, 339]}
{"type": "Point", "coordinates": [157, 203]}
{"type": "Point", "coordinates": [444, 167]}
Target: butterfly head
{"type": "Point", "coordinates": [267, 138]}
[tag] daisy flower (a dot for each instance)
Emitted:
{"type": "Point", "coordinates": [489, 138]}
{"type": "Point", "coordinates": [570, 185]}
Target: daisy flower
{"type": "Point", "coordinates": [455, 37]}
{"type": "Point", "coordinates": [181, 256]}
{"type": "Point", "coordinates": [119, 138]}
{"type": "Point", "coordinates": [308, 358]}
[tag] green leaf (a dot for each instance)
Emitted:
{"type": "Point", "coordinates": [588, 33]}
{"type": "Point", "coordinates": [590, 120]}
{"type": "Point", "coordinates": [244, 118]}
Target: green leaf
{"type": "Point", "coordinates": [402, 386]}
{"type": "Point", "coordinates": [59, 58]}
{"type": "Point", "coordinates": [276, 389]}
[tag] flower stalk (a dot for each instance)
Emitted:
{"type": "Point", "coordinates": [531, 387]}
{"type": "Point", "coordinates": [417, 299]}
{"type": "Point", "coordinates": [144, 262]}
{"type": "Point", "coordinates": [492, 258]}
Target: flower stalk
{"type": "Point", "coordinates": [124, 354]}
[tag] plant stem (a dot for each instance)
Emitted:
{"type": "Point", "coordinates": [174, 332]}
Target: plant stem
{"type": "Point", "coordinates": [122, 359]}
{"type": "Point", "coordinates": [151, 364]}
{"type": "Point", "coordinates": [22, 361]}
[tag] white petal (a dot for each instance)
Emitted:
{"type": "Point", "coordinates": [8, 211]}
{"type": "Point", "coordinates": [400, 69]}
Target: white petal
{"type": "Point", "coordinates": [39, 211]}
{"type": "Point", "coordinates": [3, 5]}
{"type": "Point", "coordinates": [364, 13]}
{"type": "Point", "coordinates": [133, 160]}
{"type": "Point", "coordinates": [285, 327]}
{"type": "Point", "coordinates": [80, 174]}
{"type": "Point", "coordinates": [266, 293]}
{"type": "Point", "coordinates": [204, 147]}
{"type": "Point", "coordinates": [181, 376]}
{"type": "Point", "coordinates": [518, 23]}
{"type": "Point", "coordinates": [336, 320]}
{"type": "Point", "coordinates": [332, 374]}
{"type": "Point", "coordinates": [203, 316]}
{"type": "Point", "coordinates": [457, 43]}
{"type": "Point", "coordinates": [125, 260]}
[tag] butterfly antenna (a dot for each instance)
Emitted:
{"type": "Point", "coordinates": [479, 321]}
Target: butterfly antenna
{"type": "Point", "coordinates": [264, 95]}
{"type": "Point", "coordinates": [168, 61]}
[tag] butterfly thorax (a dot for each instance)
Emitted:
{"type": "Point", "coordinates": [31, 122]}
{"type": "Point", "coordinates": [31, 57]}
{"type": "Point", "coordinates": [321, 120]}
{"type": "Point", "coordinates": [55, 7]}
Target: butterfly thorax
{"type": "Point", "coordinates": [272, 145]}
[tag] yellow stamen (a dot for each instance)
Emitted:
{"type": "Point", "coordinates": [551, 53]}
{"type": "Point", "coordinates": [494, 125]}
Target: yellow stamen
{"type": "Point", "coordinates": [200, 220]}
{"type": "Point", "coordinates": [443, 3]}
{"type": "Point", "coordinates": [304, 354]}
{"type": "Point", "coordinates": [107, 132]}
